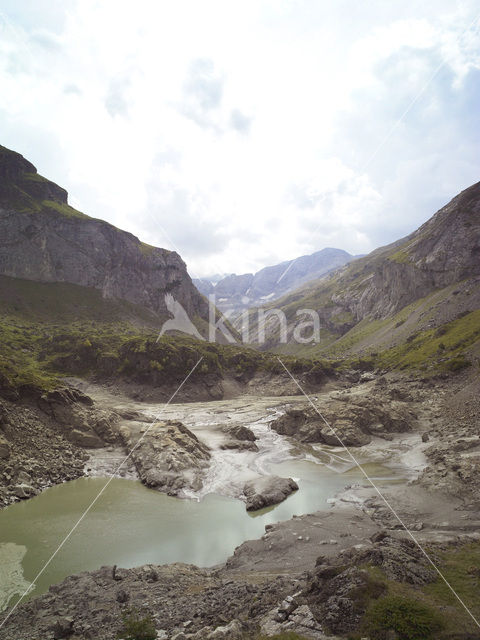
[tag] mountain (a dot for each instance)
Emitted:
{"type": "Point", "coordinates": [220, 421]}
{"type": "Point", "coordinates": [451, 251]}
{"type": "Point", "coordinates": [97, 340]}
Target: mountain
{"type": "Point", "coordinates": [44, 239]}
{"type": "Point", "coordinates": [236, 292]}
{"type": "Point", "coordinates": [402, 293]}
{"type": "Point", "coordinates": [79, 297]}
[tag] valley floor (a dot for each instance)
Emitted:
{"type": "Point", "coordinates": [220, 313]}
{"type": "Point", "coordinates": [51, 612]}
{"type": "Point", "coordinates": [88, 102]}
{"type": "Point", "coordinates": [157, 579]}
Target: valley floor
{"type": "Point", "coordinates": [318, 562]}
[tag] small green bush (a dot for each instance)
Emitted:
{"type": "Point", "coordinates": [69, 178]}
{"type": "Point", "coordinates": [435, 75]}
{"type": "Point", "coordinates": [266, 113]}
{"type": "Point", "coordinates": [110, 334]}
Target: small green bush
{"type": "Point", "coordinates": [457, 364]}
{"type": "Point", "coordinates": [137, 626]}
{"type": "Point", "coordinates": [410, 619]}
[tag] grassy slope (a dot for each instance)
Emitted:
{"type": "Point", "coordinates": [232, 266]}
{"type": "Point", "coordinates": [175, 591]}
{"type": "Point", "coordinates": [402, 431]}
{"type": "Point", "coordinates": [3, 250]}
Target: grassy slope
{"type": "Point", "coordinates": [461, 568]}
{"type": "Point", "coordinates": [51, 330]}
{"type": "Point", "coordinates": [403, 341]}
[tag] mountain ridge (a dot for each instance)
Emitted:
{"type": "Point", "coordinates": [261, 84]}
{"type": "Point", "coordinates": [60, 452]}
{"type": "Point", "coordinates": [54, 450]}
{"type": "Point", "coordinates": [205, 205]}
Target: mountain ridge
{"type": "Point", "coordinates": [236, 292]}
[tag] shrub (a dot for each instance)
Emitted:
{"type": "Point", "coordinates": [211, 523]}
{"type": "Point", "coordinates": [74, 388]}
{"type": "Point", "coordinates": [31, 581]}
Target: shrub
{"type": "Point", "coordinates": [457, 364]}
{"type": "Point", "coordinates": [137, 627]}
{"type": "Point", "coordinates": [410, 619]}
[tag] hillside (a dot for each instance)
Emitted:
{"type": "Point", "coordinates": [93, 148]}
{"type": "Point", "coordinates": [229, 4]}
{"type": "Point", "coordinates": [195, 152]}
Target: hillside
{"type": "Point", "coordinates": [44, 239]}
{"type": "Point", "coordinates": [398, 296]}
{"type": "Point", "coordinates": [237, 292]}
{"type": "Point", "coordinates": [81, 297]}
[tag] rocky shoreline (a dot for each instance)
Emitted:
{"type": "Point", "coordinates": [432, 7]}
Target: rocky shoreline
{"type": "Point", "coordinates": [298, 575]}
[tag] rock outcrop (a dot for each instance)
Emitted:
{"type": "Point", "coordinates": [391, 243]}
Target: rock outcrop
{"type": "Point", "coordinates": [353, 420]}
{"type": "Point", "coordinates": [42, 238]}
{"type": "Point", "coordinates": [34, 453]}
{"type": "Point", "coordinates": [186, 603]}
{"type": "Point", "coordinates": [81, 424]}
{"type": "Point", "coordinates": [335, 591]}
{"type": "Point", "coordinates": [267, 491]}
{"type": "Point", "coordinates": [240, 437]}
{"type": "Point", "coordinates": [168, 456]}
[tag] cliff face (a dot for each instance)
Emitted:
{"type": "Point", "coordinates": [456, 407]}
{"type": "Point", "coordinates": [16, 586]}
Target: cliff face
{"type": "Point", "coordinates": [42, 238]}
{"type": "Point", "coordinates": [443, 251]}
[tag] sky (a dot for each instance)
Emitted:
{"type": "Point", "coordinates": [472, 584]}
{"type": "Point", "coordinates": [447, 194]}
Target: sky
{"type": "Point", "coordinates": [242, 134]}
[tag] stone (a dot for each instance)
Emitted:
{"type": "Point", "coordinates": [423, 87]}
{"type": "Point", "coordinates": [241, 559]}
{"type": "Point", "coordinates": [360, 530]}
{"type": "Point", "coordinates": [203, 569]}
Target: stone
{"type": "Point", "coordinates": [63, 628]}
{"type": "Point", "coordinates": [86, 439]}
{"type": "Point", "coordinates": [353, 420]}
{"type": "Point", "coordinates": [122, 596]}
{"type": "Point", "coordinates": [232, 631]}
{"type": "Point", "coordinates": [267, 490]}
{"type": "Point", "coordinates": [4, 449]}
{"type": "Point", "coordinates": [240, 432]}
{"type": "Point", "coordinates": [169, 458]}
{"type": "Point", "coordinates": [23, 491]}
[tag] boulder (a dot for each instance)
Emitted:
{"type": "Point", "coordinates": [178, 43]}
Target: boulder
{"type": "Point", "coordinates": [231, 631]}
{"type": "Point", "coordinates": [239, 445]}
{"type": "Point", "coordinates": [169, 457]}
{"type": "Point", "coordinates": [240, 432]}
{"type": "Point", "coordinates": [266, 491]}
{"type": "Point", "coordinates": [63, 628]}
{"type": "Point", "coordinates": [23, 491]}
{"type": "Point", "coordinates": [86, 439]}
{"type": "Point", "coordinates": [353, 419]}
{"type": "Point", "coordinates": [4, 449]}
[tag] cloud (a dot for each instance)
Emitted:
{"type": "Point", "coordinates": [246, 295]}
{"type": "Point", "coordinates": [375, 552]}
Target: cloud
{"type": "Point", "coordinates": [116, 102]}
{"type": "Point", "coordinates": [202, 92]}
{"type": "Point", "coordinates": [250, 133]}
{"type": "Point", "coordinates": [240, 122]}
{"type": "Point", "coordinates": [46, 40]}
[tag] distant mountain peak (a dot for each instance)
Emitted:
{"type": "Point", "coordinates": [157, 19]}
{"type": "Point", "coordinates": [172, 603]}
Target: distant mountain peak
{"type": "Point", "coordinates": [236, 292]}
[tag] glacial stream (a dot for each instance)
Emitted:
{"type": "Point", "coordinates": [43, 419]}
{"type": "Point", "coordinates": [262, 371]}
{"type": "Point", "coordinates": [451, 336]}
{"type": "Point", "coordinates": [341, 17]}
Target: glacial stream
{"type": "Point", "coordinates": [131, 525]}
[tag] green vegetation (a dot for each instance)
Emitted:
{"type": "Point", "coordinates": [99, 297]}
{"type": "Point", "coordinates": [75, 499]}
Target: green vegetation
{"type": "Point", "coordinates": [146, 249]}
{"type": "Point", "coordinates": [407, 617]}
{"type": "Point", "coordinates": [137, 626]}
{"type": "Point", "coordinates": [438, 349]}
{"type": "Point", "coordinates": [64, 209]}
{"type": "Point", "coordinates": [461, 568]}
{"type": "Point", "coordinates": [400, 257]}
{"type": "Point", "coordinates": [35, 177]}
{"type": "Point", "coordinates": [52, 330]}
{"type": "Point", "coordinates": [429, 611]}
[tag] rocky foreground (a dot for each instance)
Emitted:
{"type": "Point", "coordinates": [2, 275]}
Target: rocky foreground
{"type": "Point", "coordinates": [316, 574]}
{"type": "Point", "coordinates": [314, 585]}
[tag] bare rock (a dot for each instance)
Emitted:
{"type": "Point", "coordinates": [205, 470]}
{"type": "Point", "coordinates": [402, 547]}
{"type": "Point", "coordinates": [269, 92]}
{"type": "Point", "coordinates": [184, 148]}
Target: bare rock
{"type": "Point", "coordinates": [240, 432]}
{"type": "Point", "coordinates": [4, 449]}
{"type": "Point", "coordinates": [266, 491]}
{"type": "Point", "coordinates": [169, 457]}
{"type": "Point", "coordinates": [63, 628]}
{"type": "Point", "coordinates": [347, 420]}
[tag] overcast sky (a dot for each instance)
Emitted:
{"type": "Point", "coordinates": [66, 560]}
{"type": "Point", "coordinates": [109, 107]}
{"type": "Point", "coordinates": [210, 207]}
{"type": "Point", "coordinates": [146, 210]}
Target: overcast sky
{"type": "Point", "coordinates": [244, 133]}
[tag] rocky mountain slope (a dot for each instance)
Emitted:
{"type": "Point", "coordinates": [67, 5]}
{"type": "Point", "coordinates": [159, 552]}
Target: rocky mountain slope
{"type": "Point", "coordinates": [422, 282]}
{"type": "Point", "coordinates": [236, 292]}
{"type": "Point", "coordinates": [44, 239]}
